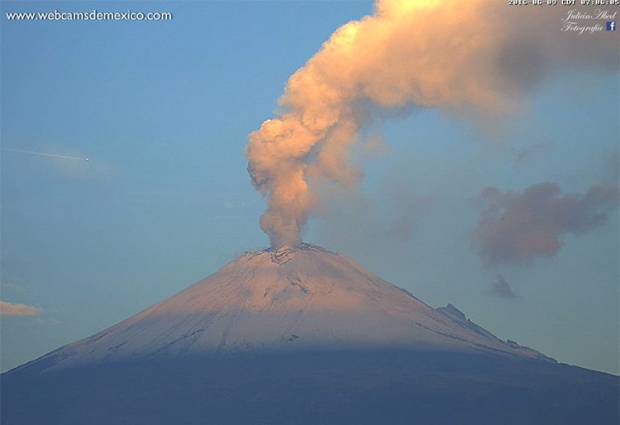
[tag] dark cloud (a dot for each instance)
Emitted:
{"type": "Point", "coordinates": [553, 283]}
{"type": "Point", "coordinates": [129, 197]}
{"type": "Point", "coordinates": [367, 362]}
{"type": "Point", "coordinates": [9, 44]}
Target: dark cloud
{"type": "Point", "coordinates": [501, 288]}
{"type": "Point", "coordinates": [517, 227]}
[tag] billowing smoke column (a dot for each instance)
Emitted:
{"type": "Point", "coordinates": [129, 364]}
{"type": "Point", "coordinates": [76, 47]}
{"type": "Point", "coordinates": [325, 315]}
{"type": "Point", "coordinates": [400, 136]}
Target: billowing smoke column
{"type": "Point", "coordinates": [476, 56]}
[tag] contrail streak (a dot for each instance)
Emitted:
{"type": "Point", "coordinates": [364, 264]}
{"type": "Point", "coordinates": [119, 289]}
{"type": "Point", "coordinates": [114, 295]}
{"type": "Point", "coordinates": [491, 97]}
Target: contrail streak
{"type": "Point", "coordinates": [47, 155]}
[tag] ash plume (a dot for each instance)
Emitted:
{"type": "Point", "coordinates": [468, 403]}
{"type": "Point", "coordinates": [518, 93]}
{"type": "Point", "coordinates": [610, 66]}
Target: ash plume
{"type": "Point", "coordinates": [477, 57]}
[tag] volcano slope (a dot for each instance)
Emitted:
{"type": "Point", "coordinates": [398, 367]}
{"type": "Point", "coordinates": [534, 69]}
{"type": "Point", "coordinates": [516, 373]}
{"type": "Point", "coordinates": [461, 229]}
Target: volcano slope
{"type": "Point", "coordinates": [301, 336]}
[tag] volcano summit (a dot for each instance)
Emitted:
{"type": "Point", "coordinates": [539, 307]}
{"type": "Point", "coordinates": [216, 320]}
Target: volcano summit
{"type": "Point", "coordinates": [288, 299]}
{"type": "Point", "coordinates": [301, 336]}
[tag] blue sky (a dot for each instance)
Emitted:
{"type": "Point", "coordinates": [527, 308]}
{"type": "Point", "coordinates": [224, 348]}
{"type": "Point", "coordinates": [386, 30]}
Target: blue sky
{"type": "Point", "coordinates": [163, 109]}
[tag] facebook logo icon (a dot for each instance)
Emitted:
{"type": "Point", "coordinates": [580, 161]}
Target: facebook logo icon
{"type": "Point", "coordinates": [611, 25]}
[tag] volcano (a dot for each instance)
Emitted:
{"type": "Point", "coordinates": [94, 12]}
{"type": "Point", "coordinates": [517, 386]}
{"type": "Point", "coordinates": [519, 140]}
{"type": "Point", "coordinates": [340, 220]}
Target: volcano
{"type": "Point", "coordinates": [301, 335]}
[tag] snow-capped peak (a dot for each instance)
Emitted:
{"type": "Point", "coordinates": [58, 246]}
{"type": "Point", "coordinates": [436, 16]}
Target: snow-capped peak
{"type": "Point", "coordinates": [290, 298]}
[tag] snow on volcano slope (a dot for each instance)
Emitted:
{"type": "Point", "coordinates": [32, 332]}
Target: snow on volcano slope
{"type": "Point", "coordinates": [286, 299]}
